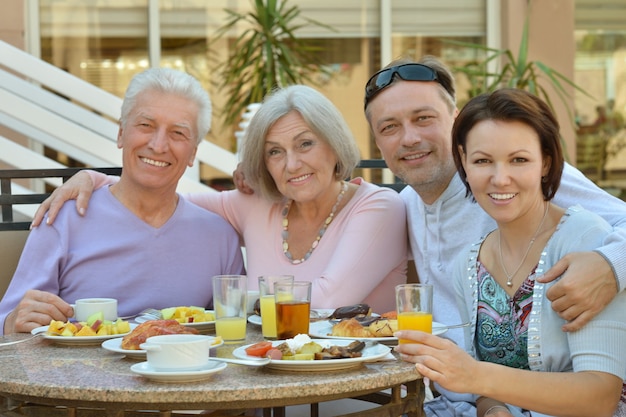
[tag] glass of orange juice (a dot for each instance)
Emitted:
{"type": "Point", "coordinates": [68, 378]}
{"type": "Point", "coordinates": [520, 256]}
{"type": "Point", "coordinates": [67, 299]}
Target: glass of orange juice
{"type": "Point", "coordinates": [230, 300]}
{"type": "Point", "coordinates": [268, 304]}
{"type": "Point", "coordinates": [293, 308]}
{"type": "Point", "coordinates": [414, 303]}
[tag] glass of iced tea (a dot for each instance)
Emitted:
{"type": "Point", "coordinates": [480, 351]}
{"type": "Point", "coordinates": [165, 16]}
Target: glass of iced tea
{"type": "Point", "coordinates": [293, 307]}
{"type": "Point", "coordinates": [230, 294]}
{"type": "Point", "coordinates": [414, 303]}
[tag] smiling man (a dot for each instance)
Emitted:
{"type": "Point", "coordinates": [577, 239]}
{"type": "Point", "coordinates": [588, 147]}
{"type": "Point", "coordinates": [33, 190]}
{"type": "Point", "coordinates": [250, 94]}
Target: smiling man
{"type": "Point", "coordinates": [141, 243]}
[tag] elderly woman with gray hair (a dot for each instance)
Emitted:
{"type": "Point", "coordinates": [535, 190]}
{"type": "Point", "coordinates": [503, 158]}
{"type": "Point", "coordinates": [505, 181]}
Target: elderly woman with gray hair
{"type": "Point", "coordinates": [347, 237]}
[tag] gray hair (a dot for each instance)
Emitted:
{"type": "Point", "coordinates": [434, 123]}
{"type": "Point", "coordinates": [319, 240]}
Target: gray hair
{"type": "Point", "coordinates": [169, 81]}
{"type": "Point", "coordinates": [318, 112]}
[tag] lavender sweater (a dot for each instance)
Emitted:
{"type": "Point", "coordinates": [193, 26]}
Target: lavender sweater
{"type": "Point", "coordinates": [112, 253]}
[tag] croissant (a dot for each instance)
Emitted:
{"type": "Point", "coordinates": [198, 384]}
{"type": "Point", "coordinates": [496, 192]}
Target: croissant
{"type": "Point", "coordinates": [350, 328]}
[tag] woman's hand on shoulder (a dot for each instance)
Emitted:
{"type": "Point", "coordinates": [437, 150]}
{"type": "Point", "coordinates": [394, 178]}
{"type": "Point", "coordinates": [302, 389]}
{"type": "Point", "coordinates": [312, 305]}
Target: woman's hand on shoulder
{"type": "Point", "coordinates": [240, 181]}
{"type": "Point", "coordinates": [79, 188]}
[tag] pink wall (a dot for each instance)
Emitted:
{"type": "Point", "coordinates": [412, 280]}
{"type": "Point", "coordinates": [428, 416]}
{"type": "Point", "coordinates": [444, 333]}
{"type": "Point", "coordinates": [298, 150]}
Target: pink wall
{"type": "Point", "coordinates": [12, 22]}
{"type": "Point", "coordinates": [552, 43]}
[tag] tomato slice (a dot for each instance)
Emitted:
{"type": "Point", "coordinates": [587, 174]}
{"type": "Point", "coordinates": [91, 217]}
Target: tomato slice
{"type": "Point", "coordinates": [259, 349]}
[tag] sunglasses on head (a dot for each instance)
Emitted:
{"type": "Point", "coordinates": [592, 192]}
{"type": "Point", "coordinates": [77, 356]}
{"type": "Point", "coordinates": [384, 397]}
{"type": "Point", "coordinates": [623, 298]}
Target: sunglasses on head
{"type": "Point", "coordinates": [407, 72]}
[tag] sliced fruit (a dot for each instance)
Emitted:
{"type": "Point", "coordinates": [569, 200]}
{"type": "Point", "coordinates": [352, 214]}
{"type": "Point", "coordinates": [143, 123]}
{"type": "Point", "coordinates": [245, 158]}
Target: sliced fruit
{"type": "Point", "coordinates": [122, 326]}
{"type": "Point", "coordinates": [86, 331]}
{"type": "Point", "coordinates": [95, 316]}
{"type": "Point", "coordinates": [168, 313]}
{"type": "Point", "coordinates": [95, 325]}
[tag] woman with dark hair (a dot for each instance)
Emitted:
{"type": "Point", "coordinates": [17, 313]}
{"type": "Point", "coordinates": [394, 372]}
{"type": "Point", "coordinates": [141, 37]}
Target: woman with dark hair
{"type": "Point", "coordinates": [506, 147]}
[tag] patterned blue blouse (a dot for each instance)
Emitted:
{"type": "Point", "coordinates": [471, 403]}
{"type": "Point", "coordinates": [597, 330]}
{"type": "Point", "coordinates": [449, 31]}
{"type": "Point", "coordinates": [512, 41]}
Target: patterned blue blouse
{"type": "Point", "coordinates": [502, 321]}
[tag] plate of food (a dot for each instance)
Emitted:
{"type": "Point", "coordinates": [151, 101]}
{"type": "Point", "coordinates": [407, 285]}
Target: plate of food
{"type": "Point", "coordinates": [75, 333]}
{"type": "Point", "coordinates": [130, 343]}
{"type": "Point", "coordinates": [115, 345]}
{"type": "Point", "coordinates": [379, 329]}
{"type": "Point", "coordinates": [299, 353]}
{"type": "Point", "coordinates": [189, 316]}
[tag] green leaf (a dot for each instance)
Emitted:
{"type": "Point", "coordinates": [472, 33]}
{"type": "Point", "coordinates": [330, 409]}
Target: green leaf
{"type": "Point", "coordinates": [266, 55]}
{"type": "Point", "coordinates": [516, 71]}
{"type": "Point", "coordinates": [523, 49]}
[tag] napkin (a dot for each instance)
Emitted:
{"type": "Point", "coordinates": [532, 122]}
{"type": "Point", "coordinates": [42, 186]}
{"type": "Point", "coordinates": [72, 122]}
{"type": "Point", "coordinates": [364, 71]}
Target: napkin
{"type": "Point", "coordinates": [387, 357]}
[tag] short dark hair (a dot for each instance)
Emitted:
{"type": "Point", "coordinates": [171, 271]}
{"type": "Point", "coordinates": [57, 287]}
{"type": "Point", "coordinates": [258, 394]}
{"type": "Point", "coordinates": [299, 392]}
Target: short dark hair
{"type": "Point", "coordinates": [510, 104]}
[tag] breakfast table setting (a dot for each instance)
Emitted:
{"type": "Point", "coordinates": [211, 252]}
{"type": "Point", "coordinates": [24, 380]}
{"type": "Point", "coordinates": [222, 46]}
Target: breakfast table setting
{"type": "Point", "coordinates": [96, 375]}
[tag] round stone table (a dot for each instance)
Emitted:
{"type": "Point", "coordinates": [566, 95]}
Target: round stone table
{"type": "Point", "coordinates": [84, 378]}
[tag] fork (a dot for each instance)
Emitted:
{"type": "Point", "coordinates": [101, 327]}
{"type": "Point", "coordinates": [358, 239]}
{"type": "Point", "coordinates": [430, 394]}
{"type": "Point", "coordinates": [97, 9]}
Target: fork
{"type": "Point", "coordinates": [22, 340]}
{"type": "Point", "coordinates": [152, 313]}
{"type": "Point", "coordinates": [250, 362]}
{"type": "Point", "coordinates": [453, 326]}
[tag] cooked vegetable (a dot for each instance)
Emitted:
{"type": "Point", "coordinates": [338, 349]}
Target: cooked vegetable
{"type": "Point", "coordinates": [310, 347]}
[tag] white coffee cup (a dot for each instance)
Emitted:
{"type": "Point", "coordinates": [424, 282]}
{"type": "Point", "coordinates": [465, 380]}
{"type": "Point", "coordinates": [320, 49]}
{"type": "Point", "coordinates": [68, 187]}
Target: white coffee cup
{"type": "Point", "coordinates": [177, 352]}
{"type": "Point", "coordinates": [85, 307]}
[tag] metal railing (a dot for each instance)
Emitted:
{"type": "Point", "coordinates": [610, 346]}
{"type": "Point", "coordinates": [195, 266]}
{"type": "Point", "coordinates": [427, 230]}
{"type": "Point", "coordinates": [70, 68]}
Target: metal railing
{"type": "Point", "coordinates": [10, 197]}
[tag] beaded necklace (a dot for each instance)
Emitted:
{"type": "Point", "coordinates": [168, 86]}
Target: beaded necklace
{"type": "Point", "coordinates": [329, 219]}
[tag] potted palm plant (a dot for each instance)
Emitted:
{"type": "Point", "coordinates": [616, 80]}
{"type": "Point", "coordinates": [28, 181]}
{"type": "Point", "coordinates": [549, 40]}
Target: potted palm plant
{"type": "Point", "coordinates": [267, 54]}
{"type": "Point", "coordinates": [515, 72]}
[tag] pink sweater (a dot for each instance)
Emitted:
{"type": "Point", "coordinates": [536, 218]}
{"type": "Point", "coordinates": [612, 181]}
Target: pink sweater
{"type": "Point", "coordinates": [361, 258]}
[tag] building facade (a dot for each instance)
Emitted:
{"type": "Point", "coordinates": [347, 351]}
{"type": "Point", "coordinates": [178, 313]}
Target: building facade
{"type": "Point", "coordinates": [106, 42]}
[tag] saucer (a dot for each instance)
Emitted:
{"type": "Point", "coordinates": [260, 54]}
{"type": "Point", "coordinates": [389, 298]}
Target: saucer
{"type": "Point", "coordinates": [211, 367]}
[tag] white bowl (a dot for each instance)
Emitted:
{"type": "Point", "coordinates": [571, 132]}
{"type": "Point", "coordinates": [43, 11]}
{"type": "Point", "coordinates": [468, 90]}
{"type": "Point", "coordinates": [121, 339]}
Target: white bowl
{"type": "Point", "coordinates": [177, 352]}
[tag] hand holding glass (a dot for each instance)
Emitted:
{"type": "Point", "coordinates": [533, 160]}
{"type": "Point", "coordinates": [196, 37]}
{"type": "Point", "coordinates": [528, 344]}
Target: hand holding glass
{"type": "Point", "coordinates": [414, 303]}
{"type": "Point", "coordinates": [268, 304]}
{"type": "Point", "coordinates": [230, 294]}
